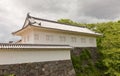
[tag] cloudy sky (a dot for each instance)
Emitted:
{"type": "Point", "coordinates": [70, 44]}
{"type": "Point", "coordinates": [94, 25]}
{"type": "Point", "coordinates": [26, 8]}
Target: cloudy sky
{"type": "Point", "coordinates": [13, 12]}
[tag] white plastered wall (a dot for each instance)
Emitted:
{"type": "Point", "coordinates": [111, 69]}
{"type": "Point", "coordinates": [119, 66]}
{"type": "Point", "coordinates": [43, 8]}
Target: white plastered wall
{"type": "Point", "coordinates": [14, 56]}
{"type": "Point", "coordinates": [56, 39]}
{"type": "Point", "coordinates": [28, 36]}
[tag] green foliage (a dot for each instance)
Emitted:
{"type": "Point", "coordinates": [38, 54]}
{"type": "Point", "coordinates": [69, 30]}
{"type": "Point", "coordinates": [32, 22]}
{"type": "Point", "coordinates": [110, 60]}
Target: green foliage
{"type": "Point", "coordinates": [85, 54]}
{"type": "Point", "coordinates": [68, 21]}
{"type": "Point", "coordinates": [10, 75]}
{"type": "Point", "coordinates": [112, 61]}
{"type": "Point", "coordinates": [108, 47]}
{"type": "Point", "coordinates": [111, 34]}
{"type": "Point", "coordinates": [84, 65]}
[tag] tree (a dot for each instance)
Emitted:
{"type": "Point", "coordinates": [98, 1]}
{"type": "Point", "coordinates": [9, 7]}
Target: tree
{"type": "Point", "coordinates": [108, 46]}
{"type": "Point", "coordinates": [70, 22]}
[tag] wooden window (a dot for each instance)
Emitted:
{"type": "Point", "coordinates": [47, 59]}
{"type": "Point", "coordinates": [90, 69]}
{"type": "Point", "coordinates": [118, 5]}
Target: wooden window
{"type": "Point", "coordinates": [36, 36]}
{"type": "Point", "coordinates": [62, 38]}
{"type": "Point", "coordinates": [28, 38]}
{"type": "Point", "coordinates": [49, 37]}
{"type": "Point", "coordinates": [91, 40]}
{"type": "Point", "coordinates": [73, 39]}
{"type": "Point", "coordinates": [83, 40]}
{"type": "Point", "coordinates": [24, 38]}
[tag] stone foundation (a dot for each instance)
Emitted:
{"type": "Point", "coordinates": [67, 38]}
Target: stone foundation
{"type": "Point", "coordinates": [51, 68]}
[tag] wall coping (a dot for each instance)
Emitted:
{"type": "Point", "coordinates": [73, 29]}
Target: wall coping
{"type": "Point", "coordinates": [32, 46]}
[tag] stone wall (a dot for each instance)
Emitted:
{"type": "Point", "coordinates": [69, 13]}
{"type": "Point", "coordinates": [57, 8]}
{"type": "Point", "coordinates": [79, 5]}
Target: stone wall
{"type": "Point", "coordinates": [51, 68]}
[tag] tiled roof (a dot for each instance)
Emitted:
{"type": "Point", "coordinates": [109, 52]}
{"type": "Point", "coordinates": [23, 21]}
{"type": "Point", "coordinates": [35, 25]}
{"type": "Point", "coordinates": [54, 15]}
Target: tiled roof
{"type": "Point", "coordinates": [30, 20]}
{"type": "Point", "coordinates": [34, 46]}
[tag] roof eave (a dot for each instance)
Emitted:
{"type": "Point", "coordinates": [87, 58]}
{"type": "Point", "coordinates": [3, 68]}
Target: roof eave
{"type": "Point", "coordinates": [92, 34]}
{"type": "Point", "coordinates": [19, 31]}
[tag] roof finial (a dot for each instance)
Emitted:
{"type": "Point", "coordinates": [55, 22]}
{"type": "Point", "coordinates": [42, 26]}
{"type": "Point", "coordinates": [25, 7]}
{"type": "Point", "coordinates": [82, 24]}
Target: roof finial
{"type": "Point", "coordinates": [28, 15]}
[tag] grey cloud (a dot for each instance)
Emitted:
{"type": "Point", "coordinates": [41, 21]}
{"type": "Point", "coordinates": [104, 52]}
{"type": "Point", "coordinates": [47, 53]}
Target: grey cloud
{"type": "Point", "coordinates": [102, 9]}
{"type": "Point", "coordinates": [53, 6]}
{"type": "Point", "coordinates": [4, 32]}
{"type": "Point", "coordinates": [6, 28]}
{"type": "Point", "coordinates": [2, 11]}
{"type": "Point", "coordinates": [50, 9]}
{"type": "Point", "coordinates": [87, 11]}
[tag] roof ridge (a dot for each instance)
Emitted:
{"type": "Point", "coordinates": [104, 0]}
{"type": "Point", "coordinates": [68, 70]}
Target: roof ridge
{"type": "Point", "coordinates": [29, 16]}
